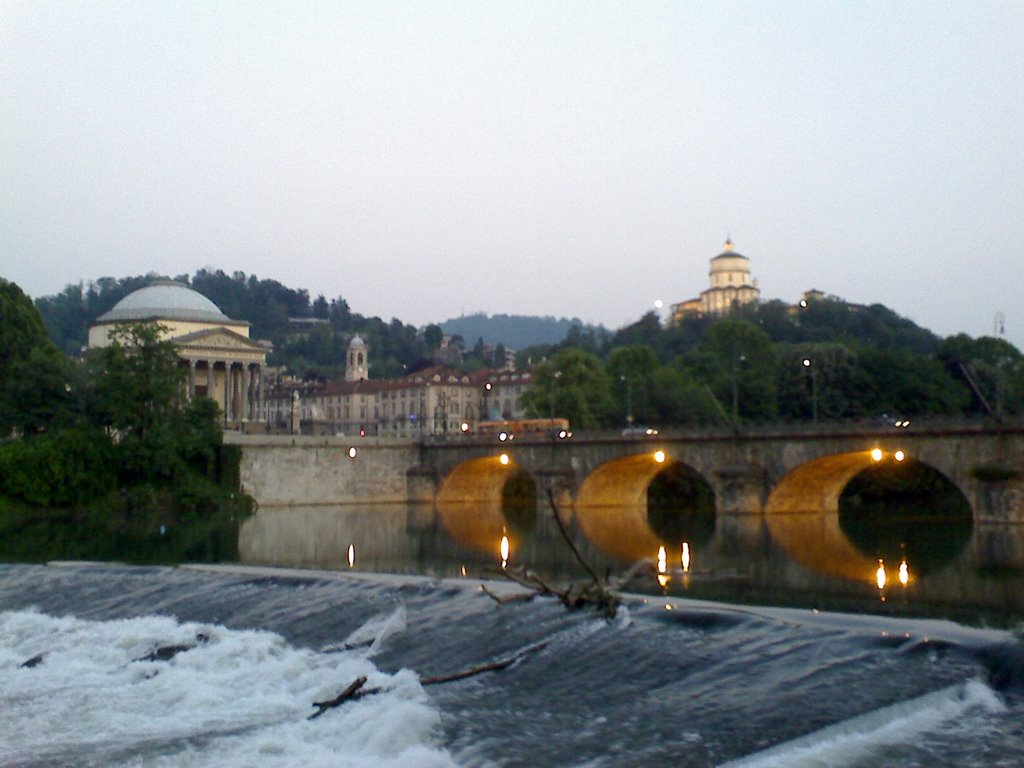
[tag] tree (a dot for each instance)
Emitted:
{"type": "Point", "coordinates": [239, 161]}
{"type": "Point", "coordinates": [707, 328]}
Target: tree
{"type": "Point", "coordinates": [34, 375]}
{"type": "Point", "coordinates": [631, 372]}
{"type": "Point", "coordinates": [138, 394]}
{"type": "Point", "coordinates": [736, 360]}
{"type": "Point", "coordinates": [991, 368]}
{"type": "Point", "coordinates": [498, 356]}
{"type": "Point", "coordinates": [907, 384]}
{"type": "Point", "coordinates": [433, 336]}
{"type": "Point", "coordinates": [572, 385]}
{"type": "Point", "coordinates": [680, 400]}
{"type": "Point", "coordinates": [829, 385]}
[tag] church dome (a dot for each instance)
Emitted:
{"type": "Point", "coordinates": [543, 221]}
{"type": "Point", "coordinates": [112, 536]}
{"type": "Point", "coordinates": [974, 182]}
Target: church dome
{"type": "Point", "coordinates": [729, 253]}
{"type": "Point", "coordinates": [165, 300]}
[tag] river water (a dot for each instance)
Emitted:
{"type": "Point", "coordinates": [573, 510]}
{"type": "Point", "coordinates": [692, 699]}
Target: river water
{"type": "Point", "coordinates": [759, 643]}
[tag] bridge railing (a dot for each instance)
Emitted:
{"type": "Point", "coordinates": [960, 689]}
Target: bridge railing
{"type": "Point", "coordinates": [882, 426]}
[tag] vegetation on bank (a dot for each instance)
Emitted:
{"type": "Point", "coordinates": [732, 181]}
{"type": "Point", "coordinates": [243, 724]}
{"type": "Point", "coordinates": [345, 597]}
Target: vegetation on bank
{"type": "Point", "coordinates": [103, 457]}
{"type": "Point", "coordinates": [863, 362]}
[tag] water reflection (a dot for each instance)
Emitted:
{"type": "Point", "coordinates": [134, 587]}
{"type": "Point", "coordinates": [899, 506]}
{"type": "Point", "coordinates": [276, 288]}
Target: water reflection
{"type": "Point", "coordinates": [791, 559]}
{"type": "Point", "coordinates": [909, 510]}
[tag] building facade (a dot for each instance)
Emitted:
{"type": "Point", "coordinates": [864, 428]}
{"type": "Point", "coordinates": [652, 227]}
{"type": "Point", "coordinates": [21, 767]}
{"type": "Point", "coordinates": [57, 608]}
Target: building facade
{"type": "Point", "coordinates": [437, 400]}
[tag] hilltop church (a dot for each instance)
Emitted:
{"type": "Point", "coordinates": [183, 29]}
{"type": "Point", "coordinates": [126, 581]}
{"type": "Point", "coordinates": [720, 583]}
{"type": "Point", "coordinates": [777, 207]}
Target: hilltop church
{"type": "Point", "coordinates": [731, 287]}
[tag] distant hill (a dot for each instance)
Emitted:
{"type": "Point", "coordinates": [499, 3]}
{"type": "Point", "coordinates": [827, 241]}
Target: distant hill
{"type": "Point", "coordinates": [514, 331]}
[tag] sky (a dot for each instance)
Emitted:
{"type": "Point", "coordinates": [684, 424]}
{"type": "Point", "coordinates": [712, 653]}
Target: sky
{"type": "Point", "coordinates": [425, 160]}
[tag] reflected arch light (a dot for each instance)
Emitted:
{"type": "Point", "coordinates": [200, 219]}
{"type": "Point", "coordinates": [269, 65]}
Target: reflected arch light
{"type": "Point", "coordinates": [470, 504]}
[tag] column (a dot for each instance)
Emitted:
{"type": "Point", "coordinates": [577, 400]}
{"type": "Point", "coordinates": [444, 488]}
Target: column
{"type": "Point", "coordinates": [191, 378]}
{"type": "Point", "coordinates": [262, 393]}
{"type": "Point", "coordinates": [244, 383]}
{"type": "Point", "coordinates": [227, 391]}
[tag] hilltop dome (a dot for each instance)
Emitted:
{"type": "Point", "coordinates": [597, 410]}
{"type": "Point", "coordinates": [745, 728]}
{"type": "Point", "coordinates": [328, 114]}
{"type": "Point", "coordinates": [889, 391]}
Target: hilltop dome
{"type": "Point", "coordinates": [728, 253]}
{"type": "Point", "coordinates": [165, 300]}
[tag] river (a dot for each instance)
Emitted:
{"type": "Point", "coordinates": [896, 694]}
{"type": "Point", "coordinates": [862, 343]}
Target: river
{"type": "Point", "coordinates": [759, 643]}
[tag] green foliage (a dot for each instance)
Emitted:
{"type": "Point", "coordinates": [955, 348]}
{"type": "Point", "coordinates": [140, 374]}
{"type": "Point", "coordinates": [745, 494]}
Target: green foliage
{"type": "Point", "coordinates": [737, 361]}
{"type": "Point", "coordinates": [572, 385]}
{"type": "Point", "coordinates": [58, 469]}
{"type": "Point", "coordinates": [832, 384]}
{"type": "Point", "coordinates": [992, 370]}
{"type": "Point", "coordinates": [680, 399]}
{"type": "Point", "coordinates": [632, 371]}
{"type": "Point", "coordinates": [905, 383]}
{"type": "Point", "coordinates": [113, 462]}
{"type": "Point", "coordinates": [138, 395]}
{"type": "Point", "coordinates": [34, 376]}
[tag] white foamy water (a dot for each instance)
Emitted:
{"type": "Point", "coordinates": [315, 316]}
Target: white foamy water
{"type": "Point", "coordinates": [863, 740]}
{"type": "Point", "coordinates": [237, 698]}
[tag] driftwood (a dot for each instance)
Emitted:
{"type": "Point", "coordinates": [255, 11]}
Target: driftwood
{"type": "Point", "coordinates": [597, 593]}
{"type": "Point", "coordinates": [492, 666]}
{"type": "Point", "coordinates": [168, 652]}
{"type": "Point", "coordinates": [341, 698]}
{"type": "Point", "coordinates": [355, 689]}
{"type": "Point", "coordinates": [518, 597]}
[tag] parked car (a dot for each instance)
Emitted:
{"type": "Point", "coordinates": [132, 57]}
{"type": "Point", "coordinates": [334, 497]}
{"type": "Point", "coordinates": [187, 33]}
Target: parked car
{"type": "Point", "coordinates": [638, 431]}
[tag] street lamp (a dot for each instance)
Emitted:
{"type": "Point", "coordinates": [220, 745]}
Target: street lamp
{"type": "Point", "coordinates": [629, 400]}
{"type": "Point", "coordinates": [487, 391]}
{"type": "Point", "coordinates": [737, 360]}
{"type": "Point", "coordinates": [295, 403]}
{"type": "Point", "coordinates": [814, 390]}
{"type": "Point", "coordinates": [551, 393]}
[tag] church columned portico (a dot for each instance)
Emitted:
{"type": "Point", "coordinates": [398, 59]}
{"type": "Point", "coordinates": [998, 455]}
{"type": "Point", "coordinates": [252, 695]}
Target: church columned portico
{"type": "Point", "coordinates": [238, 387]}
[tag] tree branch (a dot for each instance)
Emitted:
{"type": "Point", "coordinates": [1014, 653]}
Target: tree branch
{"type": "Point", "coordinates": [341, 698]}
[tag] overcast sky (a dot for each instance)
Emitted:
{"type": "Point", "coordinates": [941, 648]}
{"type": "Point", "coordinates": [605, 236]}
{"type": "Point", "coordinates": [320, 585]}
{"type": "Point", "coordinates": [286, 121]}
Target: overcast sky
{"type": "Point", "coordinates": [579, 159]}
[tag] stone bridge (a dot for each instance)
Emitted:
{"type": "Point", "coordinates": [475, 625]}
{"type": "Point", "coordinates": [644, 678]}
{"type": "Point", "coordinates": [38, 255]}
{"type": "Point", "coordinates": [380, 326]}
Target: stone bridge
{"type": "Point", "coordinates": [767, 471]}
{"type": "Point", "coordinates": [751, 472]}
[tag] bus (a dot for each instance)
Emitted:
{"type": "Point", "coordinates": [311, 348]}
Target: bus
{"type": "Point", "coordinates": [516, 427]}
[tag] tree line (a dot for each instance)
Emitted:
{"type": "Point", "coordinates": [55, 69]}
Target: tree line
{"type": "Point", "coordinates": [771, 362]}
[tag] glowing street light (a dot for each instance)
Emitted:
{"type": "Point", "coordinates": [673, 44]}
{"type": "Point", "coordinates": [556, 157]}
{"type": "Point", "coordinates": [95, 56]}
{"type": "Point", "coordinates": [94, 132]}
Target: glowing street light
{"type": "Point", "coordinates": [899, 455]}
{"type": "Point", "coordinates": [880, 575]}
{"type": "Point", "coordinates": [659, 456]}
{"type": "Point", "coordinates": [814, 389]}
{"type": "Point", "coordinates": [876, 455]}
{"type": "Point", "coordinates": [504, 459]}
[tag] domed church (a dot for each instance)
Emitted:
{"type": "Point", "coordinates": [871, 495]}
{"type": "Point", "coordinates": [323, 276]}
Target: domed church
{"type": "Point", "coordinates": [731, 286]}
{"type": "Point", "coordinates": [223, 362]}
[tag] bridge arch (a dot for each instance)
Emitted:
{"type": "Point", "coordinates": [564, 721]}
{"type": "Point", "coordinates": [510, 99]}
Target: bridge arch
{"type": "Point", "coordinates": [473, 503]}
{"type": "Point", "coordinates": [612, 508]}
{"type": "Point", "coordinates": [803, 512]}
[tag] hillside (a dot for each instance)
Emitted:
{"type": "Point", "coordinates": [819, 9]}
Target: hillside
{"type": "Point", "coordinates": [514, 331]}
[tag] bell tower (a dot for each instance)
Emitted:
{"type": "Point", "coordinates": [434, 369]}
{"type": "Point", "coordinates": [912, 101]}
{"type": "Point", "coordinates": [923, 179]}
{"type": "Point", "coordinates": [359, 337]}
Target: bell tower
{"type": "Point", "coordinates": [356, 362]}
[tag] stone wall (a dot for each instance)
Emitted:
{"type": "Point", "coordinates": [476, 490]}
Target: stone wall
{"type": "Point", "coordinates": [300, 470]}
